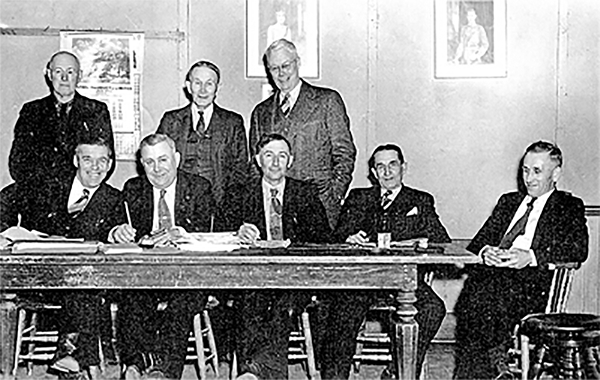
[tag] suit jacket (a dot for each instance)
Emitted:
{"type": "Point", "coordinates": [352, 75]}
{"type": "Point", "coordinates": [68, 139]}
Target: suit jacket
{"type": "Point", "coordinates": [412, 215]}
{"type": "Point", "coordinates": [561, 234]}
{"type": "Point", "coordinates": [318, 129]}
{"type": "Point", "coordinates": [303, 215]}
{"type": "Point", "coordinates": [43, 147]}
{"type": "Point", "coordinates": [194, 205]}
{"type": "Point", "coordinates": [45, 209]}
{"type": "Point", "coordinates": [229, 151]}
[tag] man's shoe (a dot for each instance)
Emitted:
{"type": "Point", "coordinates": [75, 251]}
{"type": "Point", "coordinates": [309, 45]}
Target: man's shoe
{"type": "Point", "coordinates": [132, 372]}
{"type": "Point", "coordinates": [66, 364]}
{"type": "Point", "coordinates": [387, 374]}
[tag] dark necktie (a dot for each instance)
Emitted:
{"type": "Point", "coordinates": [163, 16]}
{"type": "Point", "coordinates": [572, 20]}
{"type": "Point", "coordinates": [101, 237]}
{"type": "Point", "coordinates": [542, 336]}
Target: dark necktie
{"type": "Point", "coordinates": [164, 216]}
{"type": "Point", "coordinates": [79, 205]}
{"type": "Point", "coordinates": [518, 228]}
{"type": "Point", "coordinates": [200, 126]}
{"type": "Point", "coordinates": [275, 228]}
{"type": "Point", "coordinates": [386, 200]}
{"type": "Point", "coordinates": [285, 105]}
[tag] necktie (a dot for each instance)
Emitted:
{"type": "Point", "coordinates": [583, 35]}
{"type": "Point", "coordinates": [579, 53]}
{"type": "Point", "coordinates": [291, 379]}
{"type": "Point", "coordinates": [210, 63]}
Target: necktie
{"type": "Point", "coordinates": [385, 199]}
{"type": "Point", "coordinates": [517, 229]}
{"type": "Point", "coordinates": [78, 206]}
{"type": "Point", "coordinates": [200, 126]}
{"type": "Point", "coordinates": [275, 228]}
{"type": "Point", "coordinates": [164, 216]}
{"type": "Point", "coordinates": [285, 105]}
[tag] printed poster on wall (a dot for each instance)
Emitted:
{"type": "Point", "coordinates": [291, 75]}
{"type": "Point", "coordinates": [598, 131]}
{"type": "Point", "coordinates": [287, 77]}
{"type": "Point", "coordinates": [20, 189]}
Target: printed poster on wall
{"type": "Point", "coordinates": [111, 65]}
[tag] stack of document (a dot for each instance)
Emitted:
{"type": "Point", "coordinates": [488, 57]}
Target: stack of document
{"type": "Point", "coordinates": [208, 242]}
{"type": "Point", "coordinates": [55, 247]}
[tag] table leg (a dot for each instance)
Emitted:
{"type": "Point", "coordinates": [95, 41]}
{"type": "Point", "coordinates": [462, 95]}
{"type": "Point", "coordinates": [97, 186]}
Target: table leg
{"type": "Point", "coordinates": [406, 328]}
{"type": "Point", "coordinates": [8, 330]}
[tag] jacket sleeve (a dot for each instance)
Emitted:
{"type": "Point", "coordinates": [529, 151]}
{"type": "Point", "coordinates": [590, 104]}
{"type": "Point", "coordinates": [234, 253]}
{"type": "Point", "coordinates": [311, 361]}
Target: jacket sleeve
{"type": "Point", "coordinates": [494, 227]}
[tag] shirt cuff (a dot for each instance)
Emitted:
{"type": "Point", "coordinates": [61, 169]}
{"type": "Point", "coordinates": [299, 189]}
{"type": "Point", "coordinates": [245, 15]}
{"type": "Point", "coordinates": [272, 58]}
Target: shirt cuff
{"type": "Point", "coordinates": [533, 262]}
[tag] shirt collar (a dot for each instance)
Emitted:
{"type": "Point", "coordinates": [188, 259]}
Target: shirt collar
{"type": "Point", "coordinates": [206, 113]}
{"type": "Point", "coordinates": [394, 193]}
{"type": "Point", "coordinates": [293, 95]}
{"type": "Point", "coordinates": [267, 188]}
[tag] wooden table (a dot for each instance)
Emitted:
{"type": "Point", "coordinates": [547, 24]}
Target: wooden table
{"type": "Point", "coordinates": [305, 267]}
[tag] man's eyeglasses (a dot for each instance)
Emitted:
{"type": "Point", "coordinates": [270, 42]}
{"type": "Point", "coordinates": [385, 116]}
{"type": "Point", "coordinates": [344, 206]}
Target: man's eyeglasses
{"type": "Point", "coordinates": [285, 67]}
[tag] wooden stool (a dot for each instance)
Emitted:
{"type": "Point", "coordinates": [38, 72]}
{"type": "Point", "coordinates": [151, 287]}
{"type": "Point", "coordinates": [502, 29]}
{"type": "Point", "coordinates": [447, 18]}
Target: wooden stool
{"type": "Point", "coordinates": [204, 345]}
{"type": "Point", "coordinates": [561, 344]}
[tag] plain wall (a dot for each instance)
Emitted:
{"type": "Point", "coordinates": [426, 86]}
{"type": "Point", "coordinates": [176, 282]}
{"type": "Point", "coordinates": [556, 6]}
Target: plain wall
{"type": "Point", "coordinates": [462, 137]}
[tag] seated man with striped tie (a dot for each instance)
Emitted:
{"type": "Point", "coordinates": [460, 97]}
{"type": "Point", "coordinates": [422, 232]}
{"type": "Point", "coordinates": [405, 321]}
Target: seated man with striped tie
{"type": "Point", "coordinates": [154, 326]}
{"type": "Point", "coordinates": [85, 207]}
{"type": "Point", "coordinates": [273, 207]}
{"type": "Point", "coordinates": [411, 214]}
{"type": "Point", "coordinates": [526, 231]}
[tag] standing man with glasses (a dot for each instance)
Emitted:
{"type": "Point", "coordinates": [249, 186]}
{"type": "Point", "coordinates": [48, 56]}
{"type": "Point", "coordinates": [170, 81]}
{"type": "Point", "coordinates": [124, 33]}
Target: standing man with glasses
{"type": "Point", "coordinates": [314, 121]}
{"type": "Point", "coordinates": [527, 230]}
{"type": "Point", "coordinates": [211, 139]}
{"type": "Point", "coordinates": [48, 129]}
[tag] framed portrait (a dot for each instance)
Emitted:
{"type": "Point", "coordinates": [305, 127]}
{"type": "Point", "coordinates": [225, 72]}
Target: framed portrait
{"type": "Point", "coordinates": [470, 38]}
{"type": "Point", "coordinates": [294, 20]}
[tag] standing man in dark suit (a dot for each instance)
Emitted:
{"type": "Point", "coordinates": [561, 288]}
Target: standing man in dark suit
{"type": "Point", "coordinates": [154, 325]}
{"type": "Point", "coordinates": [48, 129]}
{"type": "Point", "coordinates": [211, 139]}
{"type": "Point", "coordinates": [274, 207]}
{"type": "Point", "coordinates": [84, 206]}
{"type": "Point", "coordinates": [411, 214]}
{"type": "Point", "coordinates": [526, 231]}
{"type": "Point", "coordinates": [314, 121]}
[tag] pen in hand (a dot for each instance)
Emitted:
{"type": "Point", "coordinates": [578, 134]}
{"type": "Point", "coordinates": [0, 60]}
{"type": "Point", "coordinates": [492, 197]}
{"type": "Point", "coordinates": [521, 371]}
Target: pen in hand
{"type": "Point", "coordinates": [128, 214]}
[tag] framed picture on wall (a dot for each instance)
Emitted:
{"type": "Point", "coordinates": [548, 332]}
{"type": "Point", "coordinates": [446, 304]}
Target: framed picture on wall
{"type": "Point", "coordinates": [470, 38]}
{"type": "Point", "coordinates": [270, 20]}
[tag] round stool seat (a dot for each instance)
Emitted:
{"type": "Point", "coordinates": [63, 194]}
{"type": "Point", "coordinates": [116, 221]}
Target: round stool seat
{"type": "Point", "coordinates": [559, 323]}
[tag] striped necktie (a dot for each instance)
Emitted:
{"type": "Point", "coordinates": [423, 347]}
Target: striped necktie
{"type": "Point", "coordinates": [285, 105]}
{"type": "Point", "coordinates": [386, 200]}
{"type": "Point", "coordinates": [79, 205]}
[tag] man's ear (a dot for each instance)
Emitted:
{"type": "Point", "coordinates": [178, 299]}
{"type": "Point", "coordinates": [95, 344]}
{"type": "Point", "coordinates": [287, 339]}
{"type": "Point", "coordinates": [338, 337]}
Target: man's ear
{"type": "Point", "coordinates": [177, 158]}
{"type": "Point", "coordinates": [75, 161]}
{"type": "Point", "coordinates": [290, 162]}
{"type": "Point", "coordinates": [556, 173]}
{"type": "Point", "coordinates": [374, 172]}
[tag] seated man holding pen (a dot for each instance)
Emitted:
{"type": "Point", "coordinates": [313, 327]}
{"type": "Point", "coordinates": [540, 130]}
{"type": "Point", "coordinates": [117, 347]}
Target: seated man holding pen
{"type": "Point", "coordinates": [273, 207]}
{"type": "Point", "coordinates": [153, 337]}
{"type": "Point", "coordinates": [85, 207]}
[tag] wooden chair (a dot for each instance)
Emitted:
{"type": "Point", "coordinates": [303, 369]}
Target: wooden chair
{"type": "Point", "coordinates": [560, 289]}
{"type": "Point", "coordinates": [300, 349]}
{"type": "Point", "coordinates": [33, 345]}
{"type": "Point", "coordinates": [203, 349]}
{"type": "Point", "coordinates": [375, 347]}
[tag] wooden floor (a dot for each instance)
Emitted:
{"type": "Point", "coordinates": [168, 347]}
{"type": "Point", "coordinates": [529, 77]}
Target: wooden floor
{"type": "Point", "coordinates": [440, 364]}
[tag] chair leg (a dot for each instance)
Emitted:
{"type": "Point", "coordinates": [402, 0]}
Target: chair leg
{"type": "Point", "coordinates": [212, 345]}
{"type": "Point", "coordinates": [524, 356]}
{"type": "Point", "coordinates": [199, 347]}
{"type": "Point", "coordinates": [19, 342]}
{"type": "Point", "coordinates": [31, 345]}
{"type": "Point", "coordinates": [310, 352]}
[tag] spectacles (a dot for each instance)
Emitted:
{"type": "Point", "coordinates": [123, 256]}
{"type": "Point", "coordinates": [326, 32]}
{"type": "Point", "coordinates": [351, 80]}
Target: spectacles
{"type": "Point", "coordinates": [285, 67]}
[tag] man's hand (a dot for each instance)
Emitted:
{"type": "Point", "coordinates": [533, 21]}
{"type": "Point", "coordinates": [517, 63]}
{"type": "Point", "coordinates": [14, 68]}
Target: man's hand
{"type": "Point", "coordinates": [359, 238]}
{"type": "Point", "coordinates": [492, 256]}
{"type": "Point", "coordinates": [124, 234]}
{"type": "Point", "coordinates": [516, 258]}
{"type": "Point", "coordinates": [248, 233]}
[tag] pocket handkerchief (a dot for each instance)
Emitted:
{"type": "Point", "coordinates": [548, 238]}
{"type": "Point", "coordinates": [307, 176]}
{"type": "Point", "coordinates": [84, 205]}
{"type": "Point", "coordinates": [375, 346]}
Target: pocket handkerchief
{"type": "Point", "coordinates": [413, 211]}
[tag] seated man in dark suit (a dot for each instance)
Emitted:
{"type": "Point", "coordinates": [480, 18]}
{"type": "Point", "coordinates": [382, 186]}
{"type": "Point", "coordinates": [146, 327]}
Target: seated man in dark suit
{"type": "Point", "coordinates": [411, 214]}
{"type": "Point", "coordinates": [84, 206]}
{"type": "Point", "coordinates": [527, 230]}
{"type": "Point", "coordinates": [153, 339]}
{"type": "Point", "coordinates": [274, 207]}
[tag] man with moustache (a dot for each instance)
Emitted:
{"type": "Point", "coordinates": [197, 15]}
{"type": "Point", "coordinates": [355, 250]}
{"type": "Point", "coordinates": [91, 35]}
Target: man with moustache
{"type": "Point", "coordinates": [48, 129]}
{"type": "Point", "coordinates": [526, 231]}
{"type": "Point", "coordinates": [314, 120]}
{"type": "Point", "coordinates": [154, 325]}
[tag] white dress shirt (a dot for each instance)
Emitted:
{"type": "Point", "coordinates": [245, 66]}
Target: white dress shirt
{"type": "Point", "coordinates": [77, 192]}
{"type": "Point", "coordinates": [206, 115]}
